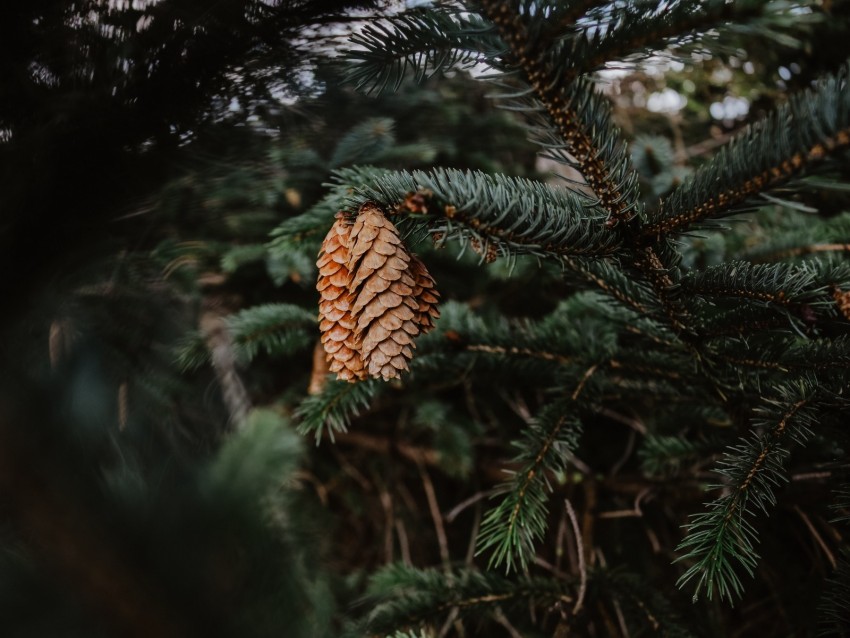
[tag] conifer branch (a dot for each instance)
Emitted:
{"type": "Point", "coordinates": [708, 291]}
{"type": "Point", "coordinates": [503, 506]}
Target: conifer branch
{"type": "Point", "coordinates": [582, 121]}
{"type": "Point", "coordinates": [513, 527]}
{"type": "Point", "coordinates": [752, 362]}
{"type": "Point", "coordinates": [644, 370]}
{"type": "Point", "coordinates": [721, 539]}
{"type": "Point", "coordinates": [335, 406]}
{"type": "Point", "coordinates": [563, 16]}
{"type": "Point", "coordinates": [732, 300]}
{"type": "Point", "coordinates": [514, 215]}
{"type": "Point", "coordinates": [665, 455]}
{"type": "Point", "coordinates": [788, 354]}
{"type": "Point", "coordinates": [613, 282]}
{"type": "Point", "coordinates": [798, 236]}
{"type": "Point", "coordinates": [406, 596]}
{"type": "Point", "coordinates": [276, 329]}
{"type": "Point", "coordinates": [620, 31]}
{"type": "Point", "coordinates": [802, 251]}
{"type": "Point", "coordinates": [834, 608]}
{"type": "Point", "coordinates": [581, 118]}
{"type": "Point", "coordinates": [365, 142]}
{"type": "Point", "coordinates": [648, 262]}
{"type": "Point", "coordinates": [191, 352]}
{"type": "Point", "coordinates": [841, 502]}
{"type": "Point", "coordinates": [742, 322]}
{"type": "Point", "coordinates": [781, 284]}
{"type": "Point", "coordinates": [422, 41]}
{"type": "Point", "coordinates": [798, 136]}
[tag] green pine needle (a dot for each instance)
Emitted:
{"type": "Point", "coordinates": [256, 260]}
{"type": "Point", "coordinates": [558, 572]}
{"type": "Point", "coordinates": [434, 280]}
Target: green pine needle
{"type": "Point", "coordinates": [722, 540]}
{"type": "Point", "coordinates": [279, 330]}
{"type": "Point", "coordinates": [512, 529]}
{"type": "Point", "coordinates": [799, 136]}
{"type": "Point", "coordinates": [404, 596]}
{"type": "Point", "coordinates": [516, 216]}
{"type": "Point", "coordinates": [419, 43]}
{"type": "Point", "coordinates": [333, 408]}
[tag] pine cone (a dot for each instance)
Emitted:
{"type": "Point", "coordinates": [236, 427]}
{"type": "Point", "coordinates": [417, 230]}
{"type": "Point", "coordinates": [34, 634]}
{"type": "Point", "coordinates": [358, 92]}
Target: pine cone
{"type": "Point", "coordinates": [336, 322]}
{"type": "Point", "coordinates": [375, 297]}
{"type": "Point", "coordinates": [488, 250]}
{"type": "Point", "coordinates": [842, 300]}
{"type": "Point", "coordinates": [382, 288]}
{"type": "Point", "coordinates": [425, 293]}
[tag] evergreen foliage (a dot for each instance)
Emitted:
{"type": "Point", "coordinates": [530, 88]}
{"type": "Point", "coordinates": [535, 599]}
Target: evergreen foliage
{"type": "Point", "coordinates": [513, 528]}
{"type": "Point", "coordinates": [431, 591]}
{"type": "Point", "coordinates": [334, 407]}
{"type": "Point", "coordinates": [277, 329]}
{"type": "Point", "coordinates": [780, 311]}
{"type": "Point", "coordinates": [628, 419]}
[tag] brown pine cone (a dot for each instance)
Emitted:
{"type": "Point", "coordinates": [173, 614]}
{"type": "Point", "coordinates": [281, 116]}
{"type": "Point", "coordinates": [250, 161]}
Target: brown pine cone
{"type": "Point", "coordinates": [382, 289]}
{"type": "Point", "coordinates": [336, 322]}
{"type": "Point", "coordinates": [842, 300]}
{"type": "Point", "coordinates": [425, 293]}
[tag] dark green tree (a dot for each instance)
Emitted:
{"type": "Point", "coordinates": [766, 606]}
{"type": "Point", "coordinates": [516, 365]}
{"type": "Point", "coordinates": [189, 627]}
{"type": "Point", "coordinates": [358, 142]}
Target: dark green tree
{"type": "Point", "coordinates": [123, 511]}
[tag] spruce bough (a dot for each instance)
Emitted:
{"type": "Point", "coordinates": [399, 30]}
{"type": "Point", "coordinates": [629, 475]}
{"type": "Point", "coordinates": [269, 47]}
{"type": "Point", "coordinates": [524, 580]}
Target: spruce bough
{"type": "Point", "coordinates": [752, 349]}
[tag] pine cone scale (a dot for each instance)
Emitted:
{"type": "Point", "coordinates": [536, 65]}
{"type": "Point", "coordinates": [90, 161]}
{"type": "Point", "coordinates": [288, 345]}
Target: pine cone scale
{"type": "Point", "coordinates": [385, 248]}
{"type": "Point", "coordinates": [339, 278]}
{"type": "Point", "coordinates": [402, 338]}
{"type": "Point", "coordinates": [330, 268]}
{"type": "Point", "coordinates": [425, 293]}
{"type": "Point", "coordinates": [372, 261]}
{"type": "Point", "coordinates": [333, 313]}
{"type": "Point", "coordinates": [331, 292]}
{"type": "Point", "coordinates": [390, 322]}
{"type": "Point", "coordinates": [402, 288]}
{"type": "Point", "coordinates": [336, 323]}
{"type": "Point", "coordinates": [399, 262]}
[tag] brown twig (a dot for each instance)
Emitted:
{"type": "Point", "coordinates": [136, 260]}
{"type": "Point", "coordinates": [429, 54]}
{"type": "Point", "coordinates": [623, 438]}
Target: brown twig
{"type": "Point", "coordinates": [389, 523]}
{"type": "Point", "coordinates": [500, 618]}
{"type": "Point", "coordinates": [818, 538]}
{"type": "Point", "coordinates": [559, 544]}
{"type": "Point", "coordinates": [437, 517]}
{"type": "Point", "coordinates": [403, 543]}
{"type": "Point", "coordinates": [473, 536]}
{"type": "Point", "coordinates": [386, 446]}
{"type": "Point", "coordinates": [800, 251]}
{"type": "Point", "coordinates": [220, 345]}
{"type": "Point", "coordinates": [312, 479]}
{"type": "Point", "coordinates": [589, 519]}
{"type": "Point", "coordinates": [582, 568]}
{"type": "Point", "coordinates": [587, 374]}
{"type": "Point", "coordinates": [472, 500]}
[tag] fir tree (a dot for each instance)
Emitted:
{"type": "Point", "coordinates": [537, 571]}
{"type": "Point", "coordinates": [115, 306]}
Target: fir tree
{"type": "Point", "coordinates": [726, 358]}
